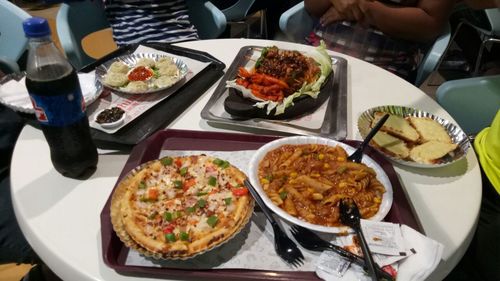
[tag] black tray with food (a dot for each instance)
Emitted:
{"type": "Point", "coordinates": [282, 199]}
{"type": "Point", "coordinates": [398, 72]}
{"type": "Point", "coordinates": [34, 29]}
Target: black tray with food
{"type": "Point", "coordinates": [167, 110]}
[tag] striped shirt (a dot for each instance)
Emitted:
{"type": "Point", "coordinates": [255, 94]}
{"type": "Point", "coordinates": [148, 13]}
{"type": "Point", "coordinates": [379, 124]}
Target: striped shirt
{"type": "Point", "coordinates": [135, 21]}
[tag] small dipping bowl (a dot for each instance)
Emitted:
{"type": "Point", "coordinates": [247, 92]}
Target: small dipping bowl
{"type": "Point", "coordinates": [110, 117]}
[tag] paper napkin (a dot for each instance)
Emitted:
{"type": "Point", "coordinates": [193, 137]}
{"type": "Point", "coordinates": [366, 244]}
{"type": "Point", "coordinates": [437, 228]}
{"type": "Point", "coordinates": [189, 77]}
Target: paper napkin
{"type": "Point", "coordinates": [15, 95]}
{"type": "Point", "coordinates": [423, 256]}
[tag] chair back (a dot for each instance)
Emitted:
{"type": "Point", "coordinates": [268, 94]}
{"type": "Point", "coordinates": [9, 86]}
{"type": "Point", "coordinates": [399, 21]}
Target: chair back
{"type": "Point", "coordinates": [208, 19]}
{"type": "Point", "coordinates": [493, 16]}
{"type": "Point", "coordinates": [12, 40]}
{"type": "Point", "coordinates": [238, 11]}
{"type": "Point", "coordinates": [75, 20]}
{"type": "Point", "coordinates": [296, 24]}
{"type": "Point", "coordinates": [472, 102]}
{"type": "Point", "coordinates": [433, 56]}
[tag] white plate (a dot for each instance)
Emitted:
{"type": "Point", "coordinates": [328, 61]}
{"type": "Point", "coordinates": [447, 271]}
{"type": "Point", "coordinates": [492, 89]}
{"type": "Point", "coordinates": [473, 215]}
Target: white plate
{"type": "Point", "coordinates": [131, 60]}
{"type": "Point", "coordinates": [385, 206]}
{"type": "Point", "coordinates": [456, 134]}
{"type": "Point", "coordinates": [13, 93]}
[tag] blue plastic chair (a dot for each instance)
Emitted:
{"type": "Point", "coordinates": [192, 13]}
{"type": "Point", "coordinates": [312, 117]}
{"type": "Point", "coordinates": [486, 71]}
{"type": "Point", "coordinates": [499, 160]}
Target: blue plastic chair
{"type": "Point", "coordinates": [12, 40]}
{"type": "Point", "coordinates": [296, 23]}
{"type": "Point", "coordinates": [208, 19]}
{"type": "Point", "coordinates": [472, 102]}
{"type": "Point", "coordinates": [238, 13]}
{"type": "Point", "coordinates": [75, 20]}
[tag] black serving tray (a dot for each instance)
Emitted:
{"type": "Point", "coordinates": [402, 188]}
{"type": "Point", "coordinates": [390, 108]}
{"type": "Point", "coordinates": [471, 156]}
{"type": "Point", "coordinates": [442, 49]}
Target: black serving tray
{"type": "Point", "coordinates": [167, 110]}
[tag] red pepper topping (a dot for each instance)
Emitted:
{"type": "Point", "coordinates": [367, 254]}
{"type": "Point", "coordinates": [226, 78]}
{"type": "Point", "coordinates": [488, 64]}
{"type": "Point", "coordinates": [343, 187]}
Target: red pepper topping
{"type": "Point", "coordinates": [140, 73]}
{"type": "Point", "coordinates": [168, 229]}
{"type": "Point", "coordinates": [240, 191]}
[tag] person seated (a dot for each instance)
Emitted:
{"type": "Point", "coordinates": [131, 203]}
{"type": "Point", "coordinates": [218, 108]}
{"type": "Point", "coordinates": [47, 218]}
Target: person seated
{"type": "Point", "coordinates": [134, 21]}
{"type": "Point", "coordinates": [393, 35]}
{"type": "Point", "coordinates": [484, 251]}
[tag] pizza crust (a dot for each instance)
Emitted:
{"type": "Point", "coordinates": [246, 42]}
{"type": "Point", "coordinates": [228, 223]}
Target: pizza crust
{"type": "Point", "coordinates": [129, 215]}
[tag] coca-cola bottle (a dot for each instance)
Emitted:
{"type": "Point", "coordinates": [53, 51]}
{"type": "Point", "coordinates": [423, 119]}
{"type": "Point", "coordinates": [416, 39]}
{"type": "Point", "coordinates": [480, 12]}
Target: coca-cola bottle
{"type": "Point", "coordinates": [55, 92]}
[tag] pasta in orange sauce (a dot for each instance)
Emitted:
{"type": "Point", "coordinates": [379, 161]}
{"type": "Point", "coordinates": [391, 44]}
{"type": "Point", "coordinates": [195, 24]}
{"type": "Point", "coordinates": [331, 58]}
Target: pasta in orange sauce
{"type": "Point", "coordinates": [308, 180]}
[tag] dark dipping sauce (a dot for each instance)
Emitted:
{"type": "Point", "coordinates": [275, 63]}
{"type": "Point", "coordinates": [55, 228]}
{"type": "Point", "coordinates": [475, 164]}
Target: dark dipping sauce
{"type": "Point", "coordinates": [110, 115]}
{"type": "Point", "coordinates": [140, 73]}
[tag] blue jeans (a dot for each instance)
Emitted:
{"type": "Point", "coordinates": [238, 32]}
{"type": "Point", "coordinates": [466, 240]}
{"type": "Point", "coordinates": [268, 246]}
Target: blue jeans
{"type": "Point", "coordinates": [13, 246]}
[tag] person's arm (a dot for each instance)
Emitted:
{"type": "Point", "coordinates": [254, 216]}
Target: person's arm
{"type": "Point", "coordinates": [317, 8]}
{"type": "Point", "coordinates": [422, 23]}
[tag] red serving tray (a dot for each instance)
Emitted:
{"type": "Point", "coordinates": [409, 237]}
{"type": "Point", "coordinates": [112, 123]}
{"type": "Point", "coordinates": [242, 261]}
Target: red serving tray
{"type": "Point", "coordinates": [115, 252]}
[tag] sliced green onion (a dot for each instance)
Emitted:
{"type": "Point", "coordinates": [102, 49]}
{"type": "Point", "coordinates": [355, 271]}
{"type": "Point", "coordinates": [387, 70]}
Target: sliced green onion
{"type": "Point", "coordinates": [190, 209]}
{"type": "Point", "coordinates": [201, 193]}
{"type": "Point", "coordinates": [228, 201]}
{"type": "Point", "coordinates": [283, 195]}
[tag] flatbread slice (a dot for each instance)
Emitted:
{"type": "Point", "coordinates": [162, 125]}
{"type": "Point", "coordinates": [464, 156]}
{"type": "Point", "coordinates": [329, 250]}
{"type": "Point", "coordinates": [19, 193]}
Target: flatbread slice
{"type": "Point", "coordinates": [430, 129]}
{"type": "Point", "coordinates": [431, 151]}
{"type": "Point", "coordinates": [397, 126]}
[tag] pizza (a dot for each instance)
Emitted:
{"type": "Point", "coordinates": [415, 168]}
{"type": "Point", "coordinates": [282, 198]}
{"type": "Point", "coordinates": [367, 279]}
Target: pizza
{"type": "Point", "coordinates": [178, 207]}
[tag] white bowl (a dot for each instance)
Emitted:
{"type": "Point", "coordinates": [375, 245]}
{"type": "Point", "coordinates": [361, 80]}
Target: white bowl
{"type": "Point", "coordinates": [110, 125]}
{"type": "Point", "coordinates": [385, 206]}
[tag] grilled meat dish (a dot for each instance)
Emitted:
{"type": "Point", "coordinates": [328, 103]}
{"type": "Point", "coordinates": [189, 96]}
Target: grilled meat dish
{"type": "Point", "coordinates": [289, 66]}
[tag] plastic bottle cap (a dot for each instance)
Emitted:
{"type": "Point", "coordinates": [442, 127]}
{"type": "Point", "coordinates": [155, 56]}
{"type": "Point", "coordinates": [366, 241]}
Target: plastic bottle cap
{"type": "Point", "coordinates": [36, 27]}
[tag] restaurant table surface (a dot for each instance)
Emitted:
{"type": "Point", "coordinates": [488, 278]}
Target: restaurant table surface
{"type": "Point", "coordinates": [60, 217]}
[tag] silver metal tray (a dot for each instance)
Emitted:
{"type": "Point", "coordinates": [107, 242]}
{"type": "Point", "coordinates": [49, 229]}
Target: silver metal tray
{"type": "Point", "coordinates": [131, 60]}
{"type": "Point", "coordinates": [456, 134]}
{"type": "Point", "coordinates": [334, 110]}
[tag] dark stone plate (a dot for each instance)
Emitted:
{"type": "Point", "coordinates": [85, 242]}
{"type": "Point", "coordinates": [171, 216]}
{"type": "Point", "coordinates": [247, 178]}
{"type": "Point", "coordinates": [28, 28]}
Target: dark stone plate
{"type": "Point", "coordinates": [238, 105]}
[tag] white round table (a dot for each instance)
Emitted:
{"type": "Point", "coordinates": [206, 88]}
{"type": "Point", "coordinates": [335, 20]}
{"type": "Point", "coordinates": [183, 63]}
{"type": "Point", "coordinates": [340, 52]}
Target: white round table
{"type": "Point", "coordinates": [60, 216]}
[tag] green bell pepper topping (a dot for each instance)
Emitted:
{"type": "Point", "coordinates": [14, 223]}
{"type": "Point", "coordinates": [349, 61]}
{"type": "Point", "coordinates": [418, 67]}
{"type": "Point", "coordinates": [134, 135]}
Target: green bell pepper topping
{"type": "Point", "coordinates": [142, 185]}
{"type": "Point", "coordinates": [212, 181]}
{"type": "Point", "coordinates": [178, 184]}
{"type": "Point", "coordinates": [212, 220]}
{"type": "Point", "coordinates": [168, 216]}
{"type": "Point", "coordinates": [170, 237]}
{"type": "Point", "coordinates": [183, 171]}
{"type": "Point", "coordinates": [184, 236]}
{"type": "Point", "coordinates": [201, 203]}
{"type": "Point", "coordinates": [167, 161]}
